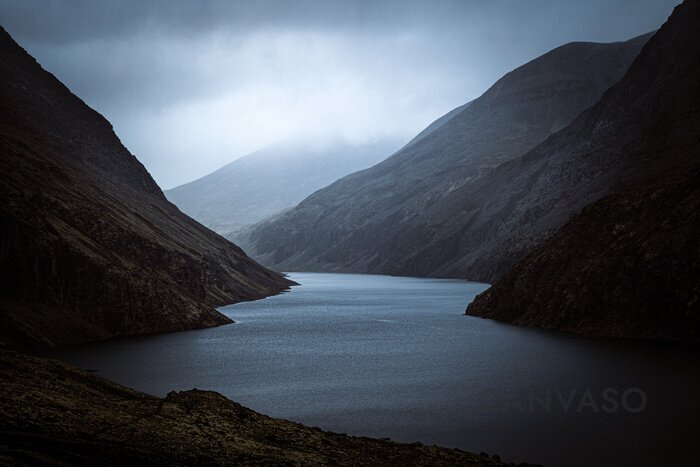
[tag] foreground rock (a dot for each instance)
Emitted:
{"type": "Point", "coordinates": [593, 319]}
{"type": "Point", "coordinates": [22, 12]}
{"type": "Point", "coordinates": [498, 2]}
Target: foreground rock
{"type": "Point", "coordinates": [51, 413]}
{"type": "Point", "coordinates": [628, 264]}
{"type": "Point", "coordinates": [89, 246]}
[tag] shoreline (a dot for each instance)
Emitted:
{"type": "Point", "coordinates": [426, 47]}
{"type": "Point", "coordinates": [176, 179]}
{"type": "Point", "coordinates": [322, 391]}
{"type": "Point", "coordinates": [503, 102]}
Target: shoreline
{"type": "Point", "coordinates": [55, 412]}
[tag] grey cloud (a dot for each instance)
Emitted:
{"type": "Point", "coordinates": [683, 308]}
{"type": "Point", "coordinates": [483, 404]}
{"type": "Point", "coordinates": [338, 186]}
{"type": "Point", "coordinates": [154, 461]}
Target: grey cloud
{"type": "Point", "coordinates": [189, 86]}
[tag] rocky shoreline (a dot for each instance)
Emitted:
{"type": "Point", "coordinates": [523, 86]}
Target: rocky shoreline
{"type": "Point", "coordinates": [52, 413]}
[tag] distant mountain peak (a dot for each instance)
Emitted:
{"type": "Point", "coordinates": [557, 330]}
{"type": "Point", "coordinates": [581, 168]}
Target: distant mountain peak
{"type": "Point", "coordinates": [271, 180]}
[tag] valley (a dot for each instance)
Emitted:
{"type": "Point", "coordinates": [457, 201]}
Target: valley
{"type": "Point", "coordinates": [515, 282]}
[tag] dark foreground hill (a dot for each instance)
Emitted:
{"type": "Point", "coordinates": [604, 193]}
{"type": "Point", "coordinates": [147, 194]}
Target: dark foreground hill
{"type": "Point", "coordinates": [53, 414]}
{"type": "Point", "coordinates": [403, 216]}
{"type": "Point", "coordinates": [629, 263]}
{"type": "Point", "coordinates": [89, 246]}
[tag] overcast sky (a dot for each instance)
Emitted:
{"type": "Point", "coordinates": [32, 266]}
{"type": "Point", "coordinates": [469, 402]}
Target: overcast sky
{"type": "Point", "coordinates": [189, 86]}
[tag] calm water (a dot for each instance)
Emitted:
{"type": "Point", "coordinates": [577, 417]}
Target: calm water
{"type": "Point", "coordinates": [394, 357]}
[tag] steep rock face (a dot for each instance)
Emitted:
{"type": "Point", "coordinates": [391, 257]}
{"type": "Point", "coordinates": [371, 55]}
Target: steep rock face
{"type": "Point", "coordinates": [53, 414]}
{"type": "Point", "coordinates": [89, 246]}
{"type": "Point", "coordinates": [627, 264]}
{"type": "Point", "coordinates": [397, 216]}
{"type": "Point", "coordinates": [271, 180]}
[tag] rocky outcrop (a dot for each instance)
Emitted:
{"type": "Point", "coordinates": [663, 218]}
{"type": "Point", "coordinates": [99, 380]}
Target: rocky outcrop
{"type": "Point", "coordinates": [413, 213]}
{"type": "Point", "coordinates": [51, 413]}
{"type": "Point", "coordinates": [267, 182]}
{"type": "Point", "coordinates": [627, 264]}
{"type": "Point", "coordinates": [89, 246]}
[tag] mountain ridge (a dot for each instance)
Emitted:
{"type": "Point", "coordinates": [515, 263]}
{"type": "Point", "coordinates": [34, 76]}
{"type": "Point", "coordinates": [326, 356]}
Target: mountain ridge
{"type": "Point", "coordinates": [399, 216]}
{"type": "Point", "coordinates": [271, 180]}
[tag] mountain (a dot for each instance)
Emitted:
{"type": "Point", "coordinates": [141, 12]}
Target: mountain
{"type": "Point", "coordinates": [403, 216]}
{"type": "Point", "coordinates": [628, 263]}
{"type": "Point", "coordinates": [89, 246]}
{"type": "Point", "coordinates": [271, 180]}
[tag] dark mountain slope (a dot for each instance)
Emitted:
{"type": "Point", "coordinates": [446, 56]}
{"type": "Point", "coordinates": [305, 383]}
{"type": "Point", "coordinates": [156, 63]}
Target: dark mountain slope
{"type": "Point", "coordinates": [629, 263]}
{"type": "Point", "coordinates": [89, 246]}
{"type": "Point", "coordinates": [438, 123]}
{"type": "Point", "coordinates": [271, 180]}
{"type": "Point", "coordinates": [379, 220]}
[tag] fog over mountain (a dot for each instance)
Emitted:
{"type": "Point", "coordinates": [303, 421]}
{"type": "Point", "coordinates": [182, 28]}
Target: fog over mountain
{"type": "Point", "coordinates": [426, 211]}
{"type": "Point", "coordinates": [384, 195]}
{"type": "Point", "coordinates": [271, 180]}
{"type": "Point", "coordinates": [190, 86]}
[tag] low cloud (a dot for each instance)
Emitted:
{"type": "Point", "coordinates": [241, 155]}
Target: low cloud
{"type": "Point", "coordinates": [190, 86]}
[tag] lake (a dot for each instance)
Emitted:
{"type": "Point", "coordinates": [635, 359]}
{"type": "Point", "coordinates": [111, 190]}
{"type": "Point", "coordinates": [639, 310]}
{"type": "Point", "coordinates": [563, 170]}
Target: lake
{"type": "Point", "coordinates": [395, 357]}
